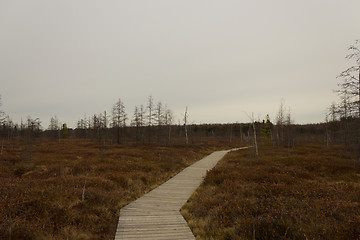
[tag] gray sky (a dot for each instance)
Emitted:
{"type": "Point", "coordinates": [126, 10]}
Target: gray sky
{"type": "Point", "coordinates": [220, 58]}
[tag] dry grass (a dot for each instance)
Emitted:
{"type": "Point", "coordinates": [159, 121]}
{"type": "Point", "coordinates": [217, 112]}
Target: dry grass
{"type": "Point", "coordinates": [44, 193]}
{"type": "Point", "coordinates": [303, 193]}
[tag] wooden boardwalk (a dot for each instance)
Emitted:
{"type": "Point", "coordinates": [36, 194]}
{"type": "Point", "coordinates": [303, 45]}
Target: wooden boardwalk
{"type": "Point", "coordinates": [157, 215]}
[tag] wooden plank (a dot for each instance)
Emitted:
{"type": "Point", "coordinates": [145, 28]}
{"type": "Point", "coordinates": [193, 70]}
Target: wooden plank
{"type": "Point", "coordinates": [157, 215]}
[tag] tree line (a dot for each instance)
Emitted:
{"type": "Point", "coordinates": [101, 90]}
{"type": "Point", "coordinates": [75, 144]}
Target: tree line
{"type": "Point", "coordinates": [154, 123]}
{"type": "Point", "coordinates": [150, 123]}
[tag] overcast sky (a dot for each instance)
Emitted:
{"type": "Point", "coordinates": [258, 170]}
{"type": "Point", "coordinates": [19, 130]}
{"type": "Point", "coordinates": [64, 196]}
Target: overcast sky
{"type": "Point", "coordinates": [220, 58]}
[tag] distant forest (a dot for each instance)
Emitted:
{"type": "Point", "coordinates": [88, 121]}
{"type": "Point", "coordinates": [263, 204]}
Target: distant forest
{"type": "Point", "coordinates": [153, 123]}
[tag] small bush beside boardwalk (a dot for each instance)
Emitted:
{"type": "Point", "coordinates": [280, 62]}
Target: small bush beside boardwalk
{"type": "Point", "coordinates": [308, 192]}
{"type": "Point", "coordinates": [74, 189]}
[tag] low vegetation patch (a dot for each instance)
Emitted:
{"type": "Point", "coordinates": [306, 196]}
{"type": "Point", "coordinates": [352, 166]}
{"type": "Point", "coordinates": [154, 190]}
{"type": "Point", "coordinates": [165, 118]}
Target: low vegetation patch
{"type": "Point", "coordinates": [308, 192]}
{"type": "Point", "coordinates": [75, 189]}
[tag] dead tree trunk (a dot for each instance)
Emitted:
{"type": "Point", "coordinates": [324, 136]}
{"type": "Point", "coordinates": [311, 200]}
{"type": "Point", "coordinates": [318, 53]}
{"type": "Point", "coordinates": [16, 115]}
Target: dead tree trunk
{"type": "Point", "coordinates": [185, 125]}
{"type": "Point", "coordinates": [255, 141]}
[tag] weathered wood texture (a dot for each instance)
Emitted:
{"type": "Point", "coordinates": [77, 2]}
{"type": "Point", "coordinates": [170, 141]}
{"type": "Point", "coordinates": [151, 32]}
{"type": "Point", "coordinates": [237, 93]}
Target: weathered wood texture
{"type": "Point", "coordinates": [156, 215]}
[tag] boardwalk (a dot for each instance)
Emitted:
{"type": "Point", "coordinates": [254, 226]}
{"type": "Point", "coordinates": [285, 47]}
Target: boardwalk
{"type": "Point", "coordinates": [156, 215]}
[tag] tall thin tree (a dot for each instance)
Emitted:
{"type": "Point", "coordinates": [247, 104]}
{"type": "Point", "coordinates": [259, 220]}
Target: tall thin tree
{"type": "Point", "coordinates": [280, 122]}
{"type": "Point", "coordinates": [119, 118]}
{"type": "Point", "coordinates": [150, 116]}
{"type": "Point", "coordinates": [136, 123]}
{"type": "Point", "coordinates": [185, 125]}
{"type": "Point", "coordinates": [168, 122]}
{"type": "Point", "coordinates": [159, 116]}
{"type": "Point", "coordinates": [255, 140]}
{"type": "Point", "coordinates": [351, 77]}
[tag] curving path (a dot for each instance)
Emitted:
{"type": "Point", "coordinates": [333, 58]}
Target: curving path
{"type": "Point", "coordinates": [157, 215]}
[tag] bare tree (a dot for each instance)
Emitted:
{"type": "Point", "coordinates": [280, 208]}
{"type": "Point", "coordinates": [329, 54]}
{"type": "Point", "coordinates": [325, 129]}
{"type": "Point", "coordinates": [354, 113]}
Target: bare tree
{"type": "Point", "coordinates": [103, 120]}
{"type": "Point", "coordinates": [345, 107]}
{"type": "Point", "coordinates": [159, 116]}
{"type": "Point", "coordinates": [54, 124]}
{"type": "Point", "coordinates": [150, 116]}
{"type": "Point", "coordinates": [54, 127]}
{"type": "Point", "coordinates": [142, 115]}
{"type": "Point", "coordinates": [168, 120]}
{"type": "Point", "coordinates": [185, 125]}
{"type": "Point", "coordinates": [96, 126]}
{"type": "Point", "coordinates": [33, 124]}
{"type": "Point", "coordinates": [288, 122]}
{"type": "Point", "coordinates": [81, 124]}
{"type": "Point", "coordinates": [283, 123]}
{"type": "Point", "coordinates": [280, 122]}
{"type": "Point", "coordinates": [351, 78]}
{"type": "Point", "coordinates": [82, 127]}
{"type": "Point", "coordinates": [345, 113]}
{"type": "Point", "coordinates": [104, 125]}
{"type": "Point", "coordinates": [255, 141]}
{"type": "Point", "coordinates": [119, 118]}
{"type": "Point", "coordinates": [332, 112]}
{"type": "Point", "coordinates": [137, 123]}
{"type": "Point", "coordinates": [252, 119]}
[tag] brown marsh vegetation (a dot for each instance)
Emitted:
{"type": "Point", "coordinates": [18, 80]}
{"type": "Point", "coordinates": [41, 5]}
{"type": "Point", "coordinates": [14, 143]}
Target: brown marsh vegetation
{"type": "Point", "coordinates": [308, 192]}
{"type": "Point", "coordinates": [74, 189]}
